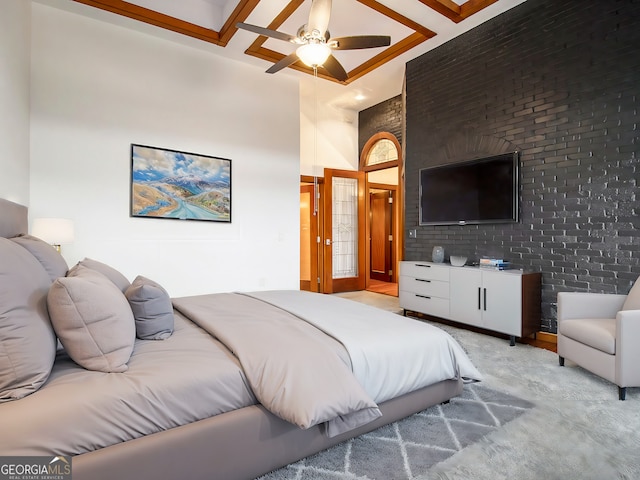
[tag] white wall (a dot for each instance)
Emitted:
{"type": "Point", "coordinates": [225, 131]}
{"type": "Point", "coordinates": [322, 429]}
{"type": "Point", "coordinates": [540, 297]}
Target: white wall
{"type": "Point", "coordinates": [97, 88]}
{"type": "Point", "coordinates": [15, 31]}
{"type": "Point", "coordinates": [337, 131]}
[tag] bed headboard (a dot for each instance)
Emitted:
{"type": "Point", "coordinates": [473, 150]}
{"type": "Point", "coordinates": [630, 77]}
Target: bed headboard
{"type": "Point", "coordinates": [13, 219]}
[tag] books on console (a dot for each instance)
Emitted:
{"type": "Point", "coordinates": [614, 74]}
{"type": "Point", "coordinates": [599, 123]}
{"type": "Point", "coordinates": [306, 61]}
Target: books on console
{"type": "Point", "coordinates": [495, 263]}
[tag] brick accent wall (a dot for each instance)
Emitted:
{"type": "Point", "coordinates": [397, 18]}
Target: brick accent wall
{"type": "Point", "coordinates": [387, 116]}
{"type": "Point", "coordinates": [560, 82]}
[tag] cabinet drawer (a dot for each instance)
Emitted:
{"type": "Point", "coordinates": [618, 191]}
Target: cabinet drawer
{"type": "Point", "coordinates": [438, 307]}
{"type": "Point", "coordinates": [435, 288]}
{"type": "Point", "coordinates": [425, 270]}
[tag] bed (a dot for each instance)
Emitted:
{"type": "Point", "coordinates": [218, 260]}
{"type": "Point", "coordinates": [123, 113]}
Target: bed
{"type": "Point", "coordinates": [221, 386]}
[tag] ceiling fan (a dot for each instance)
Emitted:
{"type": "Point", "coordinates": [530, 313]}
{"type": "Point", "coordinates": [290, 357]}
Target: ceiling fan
{"type": "Point", "coordinates": [315, 42]}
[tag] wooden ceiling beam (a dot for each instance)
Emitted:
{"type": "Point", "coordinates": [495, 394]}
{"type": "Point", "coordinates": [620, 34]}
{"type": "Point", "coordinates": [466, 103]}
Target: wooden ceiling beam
{"type": "Point", "coordinates": [239, 14]}
{"type": "Point", "coordinates": [393, 15]}
{"type": "Point", "coordinates": [389, 54]}
{"type": "Point", "coordinates": [151, 17]}
{"type": "Point", "coordinates": [474, 6]}
{"type": "Point", "coordinates": [157, 19]}
{"type": "Point", "coordinates": [455, 12]}
{"type": "Point", "coordinates": [448, 8]}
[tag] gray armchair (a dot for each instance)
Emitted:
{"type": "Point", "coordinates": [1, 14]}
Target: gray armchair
{"type": "Point", "coordinates": [601, 333]}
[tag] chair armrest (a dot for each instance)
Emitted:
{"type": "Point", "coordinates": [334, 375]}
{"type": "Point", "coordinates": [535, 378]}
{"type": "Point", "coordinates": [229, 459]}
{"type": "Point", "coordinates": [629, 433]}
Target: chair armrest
{"type": "Point", "coordinates": [588, 305]}
{"type": "Point", "coordinates": [627, 351]}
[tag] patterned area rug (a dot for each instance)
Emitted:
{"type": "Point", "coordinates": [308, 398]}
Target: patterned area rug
{"type": "Point", "coordinates": [407, 449]}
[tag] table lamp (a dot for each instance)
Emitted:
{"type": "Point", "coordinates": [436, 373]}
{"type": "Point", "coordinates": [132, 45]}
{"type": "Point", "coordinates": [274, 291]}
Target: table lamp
{"type": "Point", "coordinates": [56, 231]}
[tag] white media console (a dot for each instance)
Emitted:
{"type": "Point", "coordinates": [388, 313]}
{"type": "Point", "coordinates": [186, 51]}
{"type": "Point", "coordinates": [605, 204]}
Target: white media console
{"type": "Point", "coordinates": [506, 301]}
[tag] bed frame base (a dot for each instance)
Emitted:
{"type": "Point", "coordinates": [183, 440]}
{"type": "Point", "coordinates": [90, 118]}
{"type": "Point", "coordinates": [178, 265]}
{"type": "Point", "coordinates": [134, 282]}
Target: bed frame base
{"type": "Point", "coordinates": [238, 445]}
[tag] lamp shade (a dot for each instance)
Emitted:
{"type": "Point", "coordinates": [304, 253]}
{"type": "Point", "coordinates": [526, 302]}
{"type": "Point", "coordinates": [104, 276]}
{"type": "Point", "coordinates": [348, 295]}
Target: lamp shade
{"type": "Point", "coordinates": [313, 54]}
{"type": "Point", "coordinates": [56, 231]}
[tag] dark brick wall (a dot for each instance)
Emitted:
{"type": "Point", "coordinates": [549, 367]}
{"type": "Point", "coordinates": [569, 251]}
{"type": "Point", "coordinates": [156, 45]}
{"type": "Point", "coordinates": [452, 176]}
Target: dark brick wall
{"type": "Point", "coordinates": [387, 116]}
{"type": "Point", "coordinates": [560, 82]}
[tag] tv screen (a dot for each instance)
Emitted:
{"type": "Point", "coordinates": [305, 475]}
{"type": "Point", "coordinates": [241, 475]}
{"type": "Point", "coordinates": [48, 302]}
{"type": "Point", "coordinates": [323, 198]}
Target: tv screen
{"type": "Point", "coordinates": [485, 190]}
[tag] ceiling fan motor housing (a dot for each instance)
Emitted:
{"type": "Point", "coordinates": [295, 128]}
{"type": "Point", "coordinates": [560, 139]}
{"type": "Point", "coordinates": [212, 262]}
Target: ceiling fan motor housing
{"type": "Point", "coordinates": [313, 36]}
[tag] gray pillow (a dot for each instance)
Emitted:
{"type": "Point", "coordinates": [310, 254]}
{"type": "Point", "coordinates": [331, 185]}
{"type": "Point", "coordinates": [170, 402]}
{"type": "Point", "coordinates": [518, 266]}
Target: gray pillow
{"type": "Point", "coordinates": [633, 297]}
{"type": "Point", "coordinates": [27, 340]}
{"type": "Point", "coordinates": [54, 263]}
{"type": "Point", "coordinates": [152, 309]}
{"type": "Point", "coordinates": [92, 319]}
{"type": "Point", "coordinates": [111, 273]}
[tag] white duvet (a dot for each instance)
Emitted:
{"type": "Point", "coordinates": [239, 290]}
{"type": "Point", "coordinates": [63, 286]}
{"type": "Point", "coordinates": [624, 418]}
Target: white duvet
{"type": "Point", "coordinates": [390, 354]}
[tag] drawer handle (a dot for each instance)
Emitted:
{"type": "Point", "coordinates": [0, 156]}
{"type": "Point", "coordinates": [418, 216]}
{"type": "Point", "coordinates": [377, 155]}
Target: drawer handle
{"type": "Point", "coordinates": [420, 265]}
{"type": "Point", "coordinates": [422, 280]}
{"type": "Point", "coordinates": [423, 296]}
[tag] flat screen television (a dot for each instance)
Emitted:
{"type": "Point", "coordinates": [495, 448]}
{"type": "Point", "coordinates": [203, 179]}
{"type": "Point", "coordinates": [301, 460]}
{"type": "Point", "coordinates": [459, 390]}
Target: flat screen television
{"type": "Point", "coordinates": [485, 190]}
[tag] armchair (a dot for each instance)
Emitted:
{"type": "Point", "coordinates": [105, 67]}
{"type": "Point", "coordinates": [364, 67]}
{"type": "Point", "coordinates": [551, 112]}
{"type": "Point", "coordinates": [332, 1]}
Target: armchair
{"type": "Point", "coordinates": [601, 333]}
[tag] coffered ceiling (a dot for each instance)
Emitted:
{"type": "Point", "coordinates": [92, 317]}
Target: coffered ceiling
{"type": "Point", "coordinates": [415, 26]}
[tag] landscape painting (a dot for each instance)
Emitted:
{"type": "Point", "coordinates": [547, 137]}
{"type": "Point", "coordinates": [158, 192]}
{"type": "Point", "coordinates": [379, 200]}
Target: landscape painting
{"type": "Point", "coordinates": [179, 185]}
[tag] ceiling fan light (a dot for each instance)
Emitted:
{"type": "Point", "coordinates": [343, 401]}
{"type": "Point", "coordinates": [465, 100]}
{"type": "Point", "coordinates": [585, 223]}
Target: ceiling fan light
{"type": "Point", "coordinates": [313, 54]}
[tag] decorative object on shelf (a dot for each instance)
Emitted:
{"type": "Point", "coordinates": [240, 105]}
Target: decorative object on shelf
{"type": "Point", "coordinates": [180, 185]}
{"type": "Point", "coordinates": [55, 231]}
{"type": "Point", "coordinates": [458, 260]}
{"type": "Point", "coordinates": [438, 254]}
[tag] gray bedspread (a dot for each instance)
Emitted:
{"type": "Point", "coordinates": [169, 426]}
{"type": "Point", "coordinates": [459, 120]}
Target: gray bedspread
{"type": "Point", "coordinates": [229, 351]}
{"type": "Point", "coordinates": [187, 377]}
{"type": "Point", "coordinates": [390, 354]}
{"type": "Point", "coordinates": [295, 371]}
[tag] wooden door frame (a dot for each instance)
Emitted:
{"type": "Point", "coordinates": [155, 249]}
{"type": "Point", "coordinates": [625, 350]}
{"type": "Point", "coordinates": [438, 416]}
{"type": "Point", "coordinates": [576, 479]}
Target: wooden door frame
{"type": "Point", "coordinates": [398, 210]}
{"type": "Point", "coordinates": [309, 180]}
{"type": "Point", "coordinates": [394, 230]}
{"type": "Point", "coordinates": [353, 283]}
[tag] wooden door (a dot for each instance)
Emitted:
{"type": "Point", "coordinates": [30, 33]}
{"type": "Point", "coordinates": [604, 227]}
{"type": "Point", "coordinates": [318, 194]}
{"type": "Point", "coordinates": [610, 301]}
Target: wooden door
{"type": "Point", "coordinates": [309, 222]}
{"type": "Point", "coordinates": [380, 208]}
{"type": "Point", "coordinates": [344, 231]}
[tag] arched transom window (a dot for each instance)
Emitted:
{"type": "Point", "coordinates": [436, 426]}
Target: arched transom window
{"type": "Point", "coordinates": [383, 151]}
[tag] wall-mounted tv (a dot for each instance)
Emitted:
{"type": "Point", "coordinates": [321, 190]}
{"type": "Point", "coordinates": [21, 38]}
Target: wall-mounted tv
{"type": "Point", "coordinates": [485, 190]}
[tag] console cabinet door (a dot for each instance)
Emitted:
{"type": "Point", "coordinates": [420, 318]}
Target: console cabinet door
{"type": "Point", "coordinates": [465, 295]}
{"type": "Point", "coordinates": [502, 306]}
{"type": "Point", "coordinates": [486, 299]}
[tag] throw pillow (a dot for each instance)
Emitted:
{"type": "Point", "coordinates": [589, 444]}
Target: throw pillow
{"type": "Point", "coordinates": [118, 279]}
{"type": "Point", "coordinates": [27, 340]}
{"type": "Point", "coordinates": [92, 319]}
{"type": "Point", "coordinates": [54, 263]}
{"type": "Point", "coordinates": [152, 309]}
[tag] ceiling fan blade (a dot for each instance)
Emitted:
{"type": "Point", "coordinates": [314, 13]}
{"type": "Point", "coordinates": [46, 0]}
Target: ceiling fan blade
{"type": "Point", "coordinates": [319, 16]}
{"type": "Point", "coordinates": [284, 63]}
{"type": "Point", "coordinates": [359, 41]}
{"type": "Point", "coordinates": [332, 65]}
{"type": "Point", "coordinates": [266, 32]}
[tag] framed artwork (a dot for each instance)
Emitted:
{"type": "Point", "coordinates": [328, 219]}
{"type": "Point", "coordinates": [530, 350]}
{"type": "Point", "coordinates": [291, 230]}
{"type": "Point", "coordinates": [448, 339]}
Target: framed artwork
{"type": "Point", "coordinates": [179, 185]}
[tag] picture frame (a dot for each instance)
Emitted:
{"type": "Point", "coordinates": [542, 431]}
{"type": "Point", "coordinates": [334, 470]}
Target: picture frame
{"type": "Point", "coordinates": [179, 185]}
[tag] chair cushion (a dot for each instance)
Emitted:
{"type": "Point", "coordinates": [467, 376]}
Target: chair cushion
{"type": "Point", "coordinates": [633, 298]}
{"type": "Point", "coordinates": [599, 333]}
